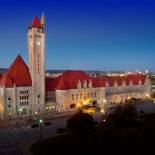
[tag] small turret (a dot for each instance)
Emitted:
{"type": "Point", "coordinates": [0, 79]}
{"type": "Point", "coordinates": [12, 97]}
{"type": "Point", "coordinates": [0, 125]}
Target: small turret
{"type": "Point", "coordinates": [43, 20]}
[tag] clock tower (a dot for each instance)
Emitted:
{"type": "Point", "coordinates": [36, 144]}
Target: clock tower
{"type": "Point", "coordinates": [36, 50]}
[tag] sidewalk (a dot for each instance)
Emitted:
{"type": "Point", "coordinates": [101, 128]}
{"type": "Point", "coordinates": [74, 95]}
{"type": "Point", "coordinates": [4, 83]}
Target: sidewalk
{"type": "Point", "coordinates": [45, 116]}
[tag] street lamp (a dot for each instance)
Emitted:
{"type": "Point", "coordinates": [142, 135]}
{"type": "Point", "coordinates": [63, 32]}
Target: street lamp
{"type": "Point", "coordinates": [36, 113]}
{"type": "Point", "coordinates": [40, 126]}
{"type": "Point", "coordinates": [20, 112]}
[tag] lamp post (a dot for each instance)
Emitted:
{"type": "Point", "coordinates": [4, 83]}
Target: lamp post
{"type": "Point", "coordinates": [20, 112]}
{"type": "Point", "coordinates": [36, 113]}
{"type": "Point", "coordinates": [40, 126]}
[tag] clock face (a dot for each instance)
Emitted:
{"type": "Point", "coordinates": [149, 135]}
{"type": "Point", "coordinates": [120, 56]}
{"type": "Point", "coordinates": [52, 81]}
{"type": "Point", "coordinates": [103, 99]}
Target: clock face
{"type": "Point", "coordinates": [38, 43]}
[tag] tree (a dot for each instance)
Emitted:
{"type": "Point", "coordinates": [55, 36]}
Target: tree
{"type": "Point", "coordinates": [122, 116]}
{"type": "Point", "coordinates": [81, 123]}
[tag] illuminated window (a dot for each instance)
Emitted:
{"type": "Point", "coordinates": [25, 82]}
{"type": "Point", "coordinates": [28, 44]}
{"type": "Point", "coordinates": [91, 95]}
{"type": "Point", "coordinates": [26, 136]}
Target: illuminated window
{"type": "Point", "coordinates": [80, 96]}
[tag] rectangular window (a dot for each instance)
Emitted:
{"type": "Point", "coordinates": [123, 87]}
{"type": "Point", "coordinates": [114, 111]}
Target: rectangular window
{"type": "Point", "coordinates": [73, 97]}
{"type": "Point", "coordinates": [91, 94]}
{"type": "Point", "coordinates": [80, 96]}
{"type": "Point", "coordinates": [95, 94]}
{"type": "Point", "coordinates": [77, 96]}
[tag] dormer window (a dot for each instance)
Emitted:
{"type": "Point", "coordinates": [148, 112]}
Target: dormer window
{"type": "Point", "coordinates": [90, 84]}
{"type": "Point", "coordinates": [115, 84]}
{"type": "Point", "coordinates": [107, 84]}
{"type": "Point", "coordinates": [131, 83]}
{"type": "Point", "coordinates": [85, 84]}
{"type": "Point", "coordinates": [123, 83]}
{"type": "Point", "coordinates": [140, 82]}
{"type": "Point", "coordinates": [79, 84]}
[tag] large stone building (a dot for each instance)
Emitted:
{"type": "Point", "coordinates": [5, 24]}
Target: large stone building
{"type": "Point", "coordinates": [26, 90]}
{"type": "Point", "coordinates": [73, 89]}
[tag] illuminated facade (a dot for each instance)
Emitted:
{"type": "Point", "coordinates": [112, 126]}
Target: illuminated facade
{"type": "Point", "coordinates": [26, 91]}
{"type": "Point", "coordinates": [73, 89]}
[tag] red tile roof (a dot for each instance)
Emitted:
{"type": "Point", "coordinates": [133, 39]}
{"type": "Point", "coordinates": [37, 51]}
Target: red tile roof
{"type": "Point", "coordinates": [70, 79]}
{"type": "Point", "coordinates": [36, 23]}
{"type": "Point", "coordinates": [18, 74]}
{"type": "Point", "coordinates": [51, 83]}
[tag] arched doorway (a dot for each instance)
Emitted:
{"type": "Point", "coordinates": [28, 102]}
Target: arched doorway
{"type": "Point", "coordinates": [94, 103]}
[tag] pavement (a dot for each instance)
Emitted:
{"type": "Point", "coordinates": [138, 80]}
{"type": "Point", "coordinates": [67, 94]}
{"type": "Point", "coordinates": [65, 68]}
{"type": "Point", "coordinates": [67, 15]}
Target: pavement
{"type": "Point", "coordinates": [10, 137]}
{"type": "Point", "coordinates": [18, 140]}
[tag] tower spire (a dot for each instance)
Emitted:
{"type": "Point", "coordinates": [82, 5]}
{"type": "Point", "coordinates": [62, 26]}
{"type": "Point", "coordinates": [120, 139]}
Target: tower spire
{"type": "Point", "coordinates": [43, 20]}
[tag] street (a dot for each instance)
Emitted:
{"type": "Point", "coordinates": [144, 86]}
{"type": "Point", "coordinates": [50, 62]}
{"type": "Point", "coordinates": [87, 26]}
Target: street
{"type": "Point", "coordinates": [11, 137]}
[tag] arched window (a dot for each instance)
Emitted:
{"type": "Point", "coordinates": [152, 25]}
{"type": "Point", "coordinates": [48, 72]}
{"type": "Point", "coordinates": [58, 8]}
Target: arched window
{"type": "Point", "coordinates": [72, 106]}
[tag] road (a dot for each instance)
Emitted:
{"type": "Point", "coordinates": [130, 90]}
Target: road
{"type": "Point", "coordinates": [11, 137]}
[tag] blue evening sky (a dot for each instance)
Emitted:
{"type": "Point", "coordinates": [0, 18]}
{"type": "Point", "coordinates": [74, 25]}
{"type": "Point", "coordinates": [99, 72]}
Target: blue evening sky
{"type": "Point", "coordinates": [83, 34]}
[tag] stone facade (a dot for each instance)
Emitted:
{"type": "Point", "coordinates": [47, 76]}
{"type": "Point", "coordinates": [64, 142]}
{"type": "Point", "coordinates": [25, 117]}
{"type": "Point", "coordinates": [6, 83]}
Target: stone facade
{"type": "Point", "coordinates": [26, 91]}
{"type": "Point", "coordinates": [36, 49]}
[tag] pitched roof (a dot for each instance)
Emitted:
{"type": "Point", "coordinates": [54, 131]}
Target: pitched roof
{"type": "Point", "coordinates": [36, 23]}
{"type": "Point", "coordinates": [69, 80]}
{"type": "Point", "coordinates": [18, 74]}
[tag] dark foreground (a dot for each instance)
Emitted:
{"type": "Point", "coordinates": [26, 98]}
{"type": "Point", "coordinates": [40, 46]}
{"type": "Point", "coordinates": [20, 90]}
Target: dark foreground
{"type": "Point", "coordinates": [123, 133]}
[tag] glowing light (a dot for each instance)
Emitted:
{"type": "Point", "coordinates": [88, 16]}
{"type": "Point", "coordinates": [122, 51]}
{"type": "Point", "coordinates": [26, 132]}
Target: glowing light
{"type": "Point", "coordinates": [20, 110]}
{"type": "Point", "coordinates": [47, 108]}
{"type": "Point", "coordinates": [102, 111]}
{"type": "Point", "coordinates": [1, 107]}
{"type": "Point", "coordinates": [104, 100]}
{"type": "Point", "coordinates": [40, 121]}
{"type": "Point", "coordinates": [86, 101]}
{"type": "Point", "coordinates": [36, 113]}
{"type": "Point", "coordinates": [147, 96]}
{"type": "Point", "coordinates": [79, 105]}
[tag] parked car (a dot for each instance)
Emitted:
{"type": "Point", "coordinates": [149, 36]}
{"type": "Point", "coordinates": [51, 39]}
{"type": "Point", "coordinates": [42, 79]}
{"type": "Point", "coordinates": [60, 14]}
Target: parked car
{"type": "Point", "coordinates": [35, 125]}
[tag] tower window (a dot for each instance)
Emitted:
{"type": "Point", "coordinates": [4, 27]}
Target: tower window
{"type": "Point", "coordinates": [38, 43]}
{"type": "Point", "coordinates": [38, 64]}
{"type": "Point", "coordinates": [9, 106]}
